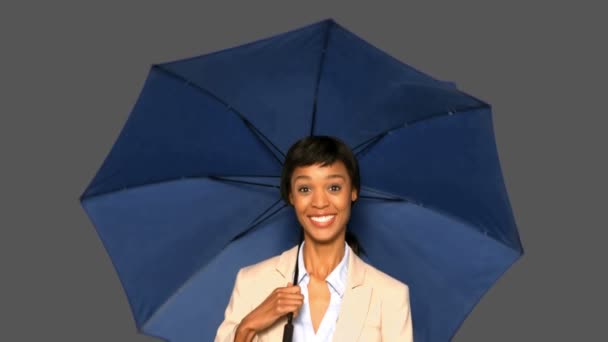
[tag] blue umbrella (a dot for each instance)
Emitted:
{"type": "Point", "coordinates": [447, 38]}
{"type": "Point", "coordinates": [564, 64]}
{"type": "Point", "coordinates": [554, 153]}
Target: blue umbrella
{"type": "Point", "coordinates": [189, 192]}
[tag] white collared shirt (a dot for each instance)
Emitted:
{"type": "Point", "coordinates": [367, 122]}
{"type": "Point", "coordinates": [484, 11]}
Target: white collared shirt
{"type": "Point", "coordinates": [336, 281]}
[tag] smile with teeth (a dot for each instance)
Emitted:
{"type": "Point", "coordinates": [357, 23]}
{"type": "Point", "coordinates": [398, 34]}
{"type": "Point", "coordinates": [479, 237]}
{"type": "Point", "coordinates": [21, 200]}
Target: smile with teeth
{"type": "Point", "coordinates": [322, 221]}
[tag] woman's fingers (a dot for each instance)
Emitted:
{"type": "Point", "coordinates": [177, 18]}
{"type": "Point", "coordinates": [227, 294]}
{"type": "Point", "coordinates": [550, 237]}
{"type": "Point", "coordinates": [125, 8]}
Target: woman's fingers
{"type": "Point", "coordinates": [280, 302]}
{"type": "Point", "coordinates": [289, 289]}
{"type": "Point", "coordinates": [289, 293]}
{"type": "Point", "coordinates": [289, 296]}
{"type": "Point", "coordinates": [286, 305]}
{"type": "Point", "coordinates": [285, 309]}
{"type": "Point", "coordinates": [289, 299]}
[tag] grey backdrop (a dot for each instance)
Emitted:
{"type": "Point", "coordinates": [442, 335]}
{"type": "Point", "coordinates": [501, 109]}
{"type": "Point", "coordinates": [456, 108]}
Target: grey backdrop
{"type": "Point", "coordinates": [71, 72]}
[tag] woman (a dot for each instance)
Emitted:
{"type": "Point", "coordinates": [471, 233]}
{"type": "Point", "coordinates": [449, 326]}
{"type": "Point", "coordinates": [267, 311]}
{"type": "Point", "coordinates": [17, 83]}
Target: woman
{"type": "Point", "coordinates": [338, 297]}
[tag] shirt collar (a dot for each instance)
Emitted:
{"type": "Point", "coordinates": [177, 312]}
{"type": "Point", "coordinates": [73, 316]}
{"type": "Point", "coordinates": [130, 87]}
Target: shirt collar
{"type": "Point", "coordinates": [336, 279]}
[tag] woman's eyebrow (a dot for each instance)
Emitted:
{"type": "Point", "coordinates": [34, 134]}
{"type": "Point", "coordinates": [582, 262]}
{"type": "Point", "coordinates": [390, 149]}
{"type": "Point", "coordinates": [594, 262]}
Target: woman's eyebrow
{"type": "Point", "coordinates": [328, 177]}
{"type": "Point", "coordinates": [301, 177]}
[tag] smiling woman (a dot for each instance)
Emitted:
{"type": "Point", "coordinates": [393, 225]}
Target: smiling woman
{"type": "Point", "coordinates": [337, 296]}
{"type": "Point", "coordinates": [320, 180]}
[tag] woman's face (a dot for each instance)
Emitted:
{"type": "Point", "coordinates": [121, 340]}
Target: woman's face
{"type": "Point", "coordinates": [322, 198]}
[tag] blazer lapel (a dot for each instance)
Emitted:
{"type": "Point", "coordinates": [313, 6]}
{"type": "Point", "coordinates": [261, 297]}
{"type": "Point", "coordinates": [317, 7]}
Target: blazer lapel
{"type": "Point", "coordinates": [355, 303]}
{"type": "Point", "coordinates": [286, 268]}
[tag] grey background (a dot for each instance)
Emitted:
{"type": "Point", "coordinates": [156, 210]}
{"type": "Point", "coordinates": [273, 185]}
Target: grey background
{"type": "Point", "coordinates": [71, 72]}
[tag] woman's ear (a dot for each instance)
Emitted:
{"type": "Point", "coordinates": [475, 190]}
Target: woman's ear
{"type": "Point", "coordinates": [354, 194]}
{"type": "Point", "coordinates": [290, 198]}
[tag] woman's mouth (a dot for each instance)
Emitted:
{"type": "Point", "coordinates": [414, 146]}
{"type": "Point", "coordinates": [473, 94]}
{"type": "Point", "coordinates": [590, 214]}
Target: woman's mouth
{"type": "Point", "coordinates": [322, 221]}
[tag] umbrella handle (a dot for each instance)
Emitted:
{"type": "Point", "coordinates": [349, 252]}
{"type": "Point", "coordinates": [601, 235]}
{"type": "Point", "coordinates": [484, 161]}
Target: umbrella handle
{"type": "Point", "coordinates": [288, 330]}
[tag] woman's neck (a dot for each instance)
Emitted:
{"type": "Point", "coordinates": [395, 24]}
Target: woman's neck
{"type": "Point", "coordinates": [321, 259]}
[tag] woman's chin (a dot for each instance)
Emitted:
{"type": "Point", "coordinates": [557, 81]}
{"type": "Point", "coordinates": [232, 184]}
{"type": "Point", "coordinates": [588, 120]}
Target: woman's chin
{"type": "Point", "coordinates": [323, 236]}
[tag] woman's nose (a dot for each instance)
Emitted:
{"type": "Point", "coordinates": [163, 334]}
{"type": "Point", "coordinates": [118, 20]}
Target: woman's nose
{"type": "Point", "coordinates": [319, 200]}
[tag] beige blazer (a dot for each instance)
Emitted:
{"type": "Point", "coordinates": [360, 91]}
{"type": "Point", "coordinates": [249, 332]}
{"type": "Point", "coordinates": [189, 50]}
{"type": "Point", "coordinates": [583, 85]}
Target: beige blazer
{"type": "Point", "coordinates": [375, 306]}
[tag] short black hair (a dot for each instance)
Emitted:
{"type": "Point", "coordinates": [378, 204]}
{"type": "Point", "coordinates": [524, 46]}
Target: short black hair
{"type": "Point", "coordinates": [319, 149]}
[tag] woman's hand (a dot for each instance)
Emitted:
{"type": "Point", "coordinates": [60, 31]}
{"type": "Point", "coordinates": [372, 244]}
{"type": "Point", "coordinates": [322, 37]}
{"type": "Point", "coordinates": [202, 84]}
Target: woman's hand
{"type": "Point", "coordinates": [280, 302]}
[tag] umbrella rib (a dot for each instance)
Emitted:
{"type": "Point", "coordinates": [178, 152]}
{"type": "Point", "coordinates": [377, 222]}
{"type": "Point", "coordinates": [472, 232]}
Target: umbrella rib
{"type": "Point", "coordinates": [167, 180]}
{"type": "Point", "coordinates": [168, 299]}
{"type": "Point", "coordinates": [265, 211]}
{"type": "Point", "coordinates": [444, 213]}
{"type": "Point", "coordinates": [369, 143]}
{"type": "Point", "coordinates": [103, 180]}
{"type": "Point", "coordinates": [319, 73]}
{"type": "Point", "coordinates": [250, 228]}
{"type": "Point", "coordinates": [222, 179]}
{"type": "Point", "coordinates": [252, 127]}
{"type": "Point", "coordinates": [248, 123]}
{"type": "Point", "coordinates": [383, 198]}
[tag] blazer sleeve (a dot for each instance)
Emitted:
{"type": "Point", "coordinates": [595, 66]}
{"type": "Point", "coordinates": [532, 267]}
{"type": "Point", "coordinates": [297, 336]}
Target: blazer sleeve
{"type": "Point", "coordinates": [238, 307]}
{"type": "Point", "coordinates": [396, 316]}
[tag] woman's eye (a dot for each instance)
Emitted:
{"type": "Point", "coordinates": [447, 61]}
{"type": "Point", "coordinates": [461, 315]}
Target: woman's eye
{"type": "Point", "coordinates": [335, 188]}
{"type": "Point", "coordinates": [303, 189]}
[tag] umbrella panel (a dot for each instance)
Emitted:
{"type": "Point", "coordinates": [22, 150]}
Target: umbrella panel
{"type": "Point", "coordinates": [176, 131]}
{"type": "Point", "coordinates": [161, 234]}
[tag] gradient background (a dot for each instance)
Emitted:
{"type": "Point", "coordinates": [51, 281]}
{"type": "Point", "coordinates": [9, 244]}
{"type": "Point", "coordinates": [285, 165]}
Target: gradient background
{"type": "Point", "coordinates": [70, 73]}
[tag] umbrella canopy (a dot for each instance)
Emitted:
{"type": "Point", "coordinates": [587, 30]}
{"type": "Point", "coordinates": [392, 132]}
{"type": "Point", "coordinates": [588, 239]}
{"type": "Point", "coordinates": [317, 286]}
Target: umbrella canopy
{"type": "Point", "coordinates": [189, 192]}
